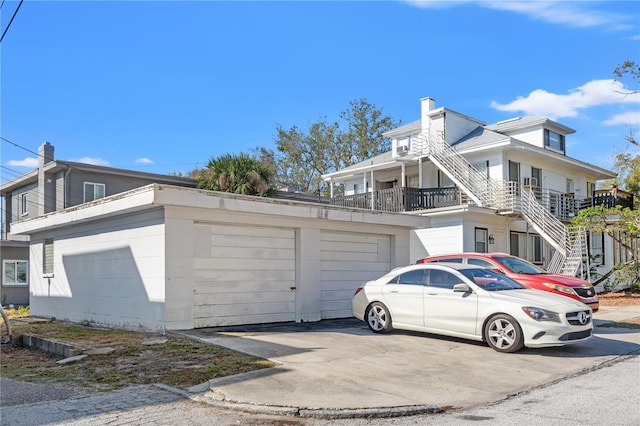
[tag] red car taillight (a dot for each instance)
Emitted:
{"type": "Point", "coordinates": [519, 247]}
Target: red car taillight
{"type": "Point", "coordinates": [358, 290]}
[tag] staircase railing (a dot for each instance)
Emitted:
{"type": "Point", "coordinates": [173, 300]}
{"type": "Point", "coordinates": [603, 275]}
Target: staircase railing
{"type": "Point", "coordinates": [570, 246]}
{"type": "Point", "coordinates": [569, 243]}
{"type": "Point", "coordinates": [484, 191]}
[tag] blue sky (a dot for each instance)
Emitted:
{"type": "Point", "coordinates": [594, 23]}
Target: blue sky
{"type": "Point", "coordinates": [164, 86]}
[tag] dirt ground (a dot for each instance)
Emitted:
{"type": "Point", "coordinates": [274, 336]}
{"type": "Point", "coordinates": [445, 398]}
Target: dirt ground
{"type": "Point", "coordinates": [138, 358]}
{"type": "Point", "coordinates": [619, 299]}
{"type": "Point", "coordinates": [131, 358]}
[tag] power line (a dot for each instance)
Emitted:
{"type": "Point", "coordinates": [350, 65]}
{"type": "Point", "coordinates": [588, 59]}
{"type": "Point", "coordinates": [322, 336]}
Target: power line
{"type": "Point", "coordinates": [9, 24]}
{"type": "Point", "coordinates": [20, 146]}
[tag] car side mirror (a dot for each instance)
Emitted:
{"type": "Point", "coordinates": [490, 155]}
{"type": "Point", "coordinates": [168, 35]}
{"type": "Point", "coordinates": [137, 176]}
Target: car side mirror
{"type": "Point", "coordinates": [462, 288]}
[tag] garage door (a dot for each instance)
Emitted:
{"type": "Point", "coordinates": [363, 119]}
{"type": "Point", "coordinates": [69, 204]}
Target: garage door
{"type": "Point", "coordinates": [348, 260]}
{"type": "Point", "coordinates": [243, 275]}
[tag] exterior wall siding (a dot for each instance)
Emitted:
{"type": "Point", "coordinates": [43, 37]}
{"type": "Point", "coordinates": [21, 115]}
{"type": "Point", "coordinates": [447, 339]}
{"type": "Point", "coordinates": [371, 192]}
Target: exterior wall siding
{"type": "Point", "coordinates": [13, 294]}
{"type": "Point", "coordinates": [105, 273]}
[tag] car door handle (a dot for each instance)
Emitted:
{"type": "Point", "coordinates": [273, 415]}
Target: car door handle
{"type": "Point", "coordinates": [432, 294]}
{"type": "Point", "coordinates": [394, 291]}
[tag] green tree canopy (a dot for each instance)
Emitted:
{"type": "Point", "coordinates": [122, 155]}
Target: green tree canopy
{"type": "Point", "coordinates": [623, 226]}
{"type": "Point", "coordinates": [302, 156]}
{"type": "Point", "coordinates": [239, 174]}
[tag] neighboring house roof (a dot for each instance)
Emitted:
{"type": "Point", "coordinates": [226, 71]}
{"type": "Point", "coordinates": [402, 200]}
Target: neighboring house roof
{"type": "Point", "coordinates": [484, 138]}
{"type": "Point", "coordinates": [57, 165]}
{"type": "Point", "coordinates": [529, 121]}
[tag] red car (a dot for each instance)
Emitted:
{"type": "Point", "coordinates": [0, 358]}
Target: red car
{"type": "Point", "coordinates": [526, 274]}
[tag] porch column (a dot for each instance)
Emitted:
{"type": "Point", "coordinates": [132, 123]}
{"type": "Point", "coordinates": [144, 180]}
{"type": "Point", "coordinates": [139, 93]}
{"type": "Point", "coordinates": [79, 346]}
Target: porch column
{"type": "Point", "coordinates": [420, 172]}
{"type": "Point", "coordinates": [402, 164]}
{"type": "Point", "coordinates": [331, 188]}
{"type": "Point", "coordinates": [373, 201]}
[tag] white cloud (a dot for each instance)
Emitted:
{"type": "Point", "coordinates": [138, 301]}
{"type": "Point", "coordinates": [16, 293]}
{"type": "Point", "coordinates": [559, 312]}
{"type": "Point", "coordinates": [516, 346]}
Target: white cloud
{"type": "Point", "coordinates": [144, 160]}
{"type": "Point", "coordinates": [552, 105]}
{"type": "Point", "coordinates": [576, 14]}
{"type": "Point", "coordinates": [631, 118]}
{"type": "Point", "coordinates": [93, 161]}
{"type": "Point", "coordinates": [27, 162]}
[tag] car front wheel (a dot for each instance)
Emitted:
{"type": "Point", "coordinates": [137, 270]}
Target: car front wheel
{"type": "Point", "coordinates": [503, 333]}
{"type": "Point", "coordinates": [378, 318]}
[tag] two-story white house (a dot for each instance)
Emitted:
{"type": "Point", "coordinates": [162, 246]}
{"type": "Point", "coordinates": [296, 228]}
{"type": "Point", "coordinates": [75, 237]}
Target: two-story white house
{"type": "Point", "coordinates": [505, 187]}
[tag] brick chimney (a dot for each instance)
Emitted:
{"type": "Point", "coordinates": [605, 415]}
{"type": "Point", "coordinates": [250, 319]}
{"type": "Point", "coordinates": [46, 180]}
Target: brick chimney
{"type": "Point", "coordinates": [46, 183]}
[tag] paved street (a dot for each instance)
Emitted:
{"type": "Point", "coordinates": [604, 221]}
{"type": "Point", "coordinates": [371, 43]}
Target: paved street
{"type": "Point", "coordinates": [608, 395]}
{"type": "Point", "coordinates": [342, 365]}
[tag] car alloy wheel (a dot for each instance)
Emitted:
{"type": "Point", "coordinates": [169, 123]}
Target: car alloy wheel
{"type": "Point", "coordinates": [378, 318]}
{"type": "Point", "coordinates": [503, 333]}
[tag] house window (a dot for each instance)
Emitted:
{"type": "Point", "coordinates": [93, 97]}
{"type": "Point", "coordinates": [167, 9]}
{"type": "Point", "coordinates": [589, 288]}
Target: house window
{"type": "Point", "coordinates": [93, 191]}
{"type": "Point", "coordinates": [591, 187]}
{"type": "Point", "coordinates": [47, 257]}
{"type": "Point", "coordinates": [24, 205]}
{"type": "Point", "coordinates": [554, 141]}
{"type": "Point", "coordinates": [15, 272]}
{"type": "Point", "coordinates": [597, 248]}
{"type": "Point", "coordinates": [526, 246]}
{"type": "Point", "coordinates": [514, 171]}
{"type": "Point", "coordinates": [482, 167]}
{"type": "Point", "coordinates": [570, 187]}
{"type": "Point", "coordinates": [444, 181]}
{"type": "Point", "coordinates": [481, 240]}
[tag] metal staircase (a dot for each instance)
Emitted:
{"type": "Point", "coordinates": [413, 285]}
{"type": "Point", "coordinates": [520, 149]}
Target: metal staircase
{"type": "Point", "coordinates": [569, 244]}
{"type": "Point", "coordinates": [485, 192]}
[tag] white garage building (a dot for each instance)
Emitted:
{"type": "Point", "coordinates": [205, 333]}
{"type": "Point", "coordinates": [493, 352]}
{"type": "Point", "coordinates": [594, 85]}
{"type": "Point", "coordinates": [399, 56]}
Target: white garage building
{"type": "Point", "coordinates": [164, 258]}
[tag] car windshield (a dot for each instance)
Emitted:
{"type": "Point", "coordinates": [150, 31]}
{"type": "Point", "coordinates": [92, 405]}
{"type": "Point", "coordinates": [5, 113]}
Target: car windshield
{"type": "Point", "coordinates": [519, 266]}
{"type": "Point", "coordinates": [491, 281]}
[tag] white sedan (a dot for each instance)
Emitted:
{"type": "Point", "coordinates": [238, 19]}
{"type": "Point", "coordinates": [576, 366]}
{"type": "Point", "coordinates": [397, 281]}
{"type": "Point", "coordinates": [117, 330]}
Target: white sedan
{"type": "Point", "coordinates": [467, 301]}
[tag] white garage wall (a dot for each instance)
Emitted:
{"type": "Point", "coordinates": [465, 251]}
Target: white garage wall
{"type": "Point", "coordinates": [106, 273]}
{"type": "Point", "coordinates": [347, 261]}
{"type": "Point", "coordinates": [446, 236]}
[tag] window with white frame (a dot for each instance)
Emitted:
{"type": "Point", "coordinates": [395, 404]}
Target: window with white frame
{"type": "Point", "coordinates": [47, 257]}
{"type": "Point", "coordinates": [482, 167]}
{"type": "Point", "coordinates": [597, 248]}
{"type": "Point", "coordinates": [24, 204]}
{"type": "Point", "coordinates": [591, 187]}
{"type": "Point", "coordinates": [482, 240]}
{"type": "Point", "coordinates": [554, 141]}
{"type": "Point", "coordinates": [15, 272]}
{"type": "Point", "coordinates": [93, 191]}
{"type": "Point", "coordinates": [526, 246]}
{"type": "Point", "coordinates": [444, 181]}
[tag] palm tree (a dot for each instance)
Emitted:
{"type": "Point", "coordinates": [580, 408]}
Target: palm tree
{"type": "Point", "coordinates": [238, 174]}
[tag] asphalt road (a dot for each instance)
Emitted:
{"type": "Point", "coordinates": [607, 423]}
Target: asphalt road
{"type": "Point", "coordinates": [608, 395]}
{"type": "Point", "coordinates": [343, 364]}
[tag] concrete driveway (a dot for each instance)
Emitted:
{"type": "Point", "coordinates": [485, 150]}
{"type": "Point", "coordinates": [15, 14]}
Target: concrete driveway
{"type": "Point", "coordinates": [342, 366]}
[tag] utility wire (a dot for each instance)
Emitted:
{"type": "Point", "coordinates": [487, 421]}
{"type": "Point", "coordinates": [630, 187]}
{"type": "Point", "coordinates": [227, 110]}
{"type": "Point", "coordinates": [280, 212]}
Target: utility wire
{"type": "Point", "coordinates": [9, 24]}
{"type": "Point", "coordinates": [26, 149]}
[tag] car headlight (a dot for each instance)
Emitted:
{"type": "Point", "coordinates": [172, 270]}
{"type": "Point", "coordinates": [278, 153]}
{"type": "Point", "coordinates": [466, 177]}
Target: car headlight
{"type": "Point", "coordinates": [540, 314]}
{"type": "Point", "coordinates": [561, 288]}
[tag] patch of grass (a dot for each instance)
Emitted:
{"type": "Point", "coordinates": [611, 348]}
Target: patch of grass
{"type": "Point", "coordinates": [19, 312]}
{"type": "Point", "coordinates": [632, 323]}
{"type": "Point", "coordinates": [178, 362]}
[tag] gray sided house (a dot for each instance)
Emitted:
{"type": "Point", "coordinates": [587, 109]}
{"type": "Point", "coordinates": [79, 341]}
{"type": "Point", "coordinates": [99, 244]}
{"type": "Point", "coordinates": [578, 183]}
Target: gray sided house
{"type": "Point", "coordinates": [55, 185]}
{"type": "Point", "coordinates": [163, 257]}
